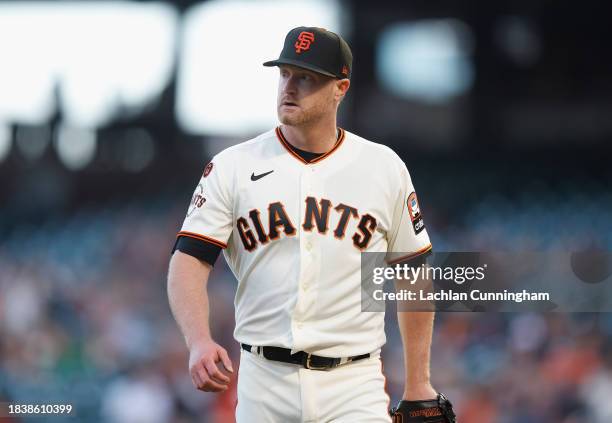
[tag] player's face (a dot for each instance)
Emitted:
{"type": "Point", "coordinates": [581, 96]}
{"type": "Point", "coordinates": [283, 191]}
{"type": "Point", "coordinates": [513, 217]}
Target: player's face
{"type": "Point", "coordinates": [305, 97]}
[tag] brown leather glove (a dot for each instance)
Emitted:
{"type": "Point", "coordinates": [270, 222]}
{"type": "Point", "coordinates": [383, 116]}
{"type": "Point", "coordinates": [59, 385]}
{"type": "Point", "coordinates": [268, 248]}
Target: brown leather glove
{"type": "Point", "coordinates": [438, 410]}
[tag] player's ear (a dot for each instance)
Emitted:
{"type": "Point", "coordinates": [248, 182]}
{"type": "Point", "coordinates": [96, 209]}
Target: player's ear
{"type": "Point", "coordinates": [342, 86]}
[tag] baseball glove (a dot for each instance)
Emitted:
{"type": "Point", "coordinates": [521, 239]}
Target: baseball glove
{"type": "Point", "coordinates": [438, 410]}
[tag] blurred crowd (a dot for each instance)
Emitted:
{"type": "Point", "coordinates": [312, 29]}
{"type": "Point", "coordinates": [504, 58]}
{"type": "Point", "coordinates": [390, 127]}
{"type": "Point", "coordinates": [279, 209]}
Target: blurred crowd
{"type": "Point", "coordinates": [84, 320]}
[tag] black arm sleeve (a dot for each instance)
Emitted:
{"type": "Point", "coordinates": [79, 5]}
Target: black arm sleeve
{"type": "Point", "coordinates": [197, 248]}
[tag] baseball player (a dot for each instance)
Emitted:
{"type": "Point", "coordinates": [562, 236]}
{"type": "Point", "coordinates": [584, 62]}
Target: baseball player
{"type": "Point", "coordinates": [293, 209]}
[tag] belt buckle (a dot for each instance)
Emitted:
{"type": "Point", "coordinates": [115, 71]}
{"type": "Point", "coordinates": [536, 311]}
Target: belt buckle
{"type": "Point", "coordinates": [309, 365]}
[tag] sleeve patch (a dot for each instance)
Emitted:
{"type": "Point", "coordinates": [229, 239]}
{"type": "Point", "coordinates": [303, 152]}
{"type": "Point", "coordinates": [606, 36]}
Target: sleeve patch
{"type": "Point", "coordinates": [208, 169]}
{"type": "Point", "coordinates": [415, 213]}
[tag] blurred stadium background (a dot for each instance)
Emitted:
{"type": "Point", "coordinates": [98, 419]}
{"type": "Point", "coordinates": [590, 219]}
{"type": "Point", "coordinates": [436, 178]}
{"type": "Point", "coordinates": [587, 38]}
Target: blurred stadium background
{"type": "Point", "coordinates": [109, 111]}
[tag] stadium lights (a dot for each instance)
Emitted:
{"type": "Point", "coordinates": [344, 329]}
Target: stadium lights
{"type": "Point", "coordinates": [92, 59]}
{"type": "Point", "coordinates": [75, 147]}
{"type": "Point", "coordinates": [426, 60]}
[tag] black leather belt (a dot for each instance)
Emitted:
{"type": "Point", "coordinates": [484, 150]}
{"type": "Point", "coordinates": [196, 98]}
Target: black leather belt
{"type": "Point", "coordinates": [307, 360]}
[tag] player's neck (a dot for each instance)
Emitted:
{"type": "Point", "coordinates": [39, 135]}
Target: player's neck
{"type": "Point", "coordinates": [314, 139]}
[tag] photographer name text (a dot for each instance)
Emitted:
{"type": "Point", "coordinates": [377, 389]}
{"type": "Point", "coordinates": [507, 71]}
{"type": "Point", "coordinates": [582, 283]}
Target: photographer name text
{"type": "Point", "coordinates": [450, 295]}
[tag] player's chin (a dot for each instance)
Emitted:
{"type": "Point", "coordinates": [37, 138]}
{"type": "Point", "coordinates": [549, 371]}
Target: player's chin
{"type": "Point", "coordinates": [289, 118]}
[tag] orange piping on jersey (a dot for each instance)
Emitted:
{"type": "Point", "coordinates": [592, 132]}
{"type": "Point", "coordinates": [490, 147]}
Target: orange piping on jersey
{"type": "Point", "coordinates": [281, 138]}
{"type": "Point", "coordinates": [285, 143]}
{"type": "Point", "coordinates": [202, 238]}
{"type": "Point", "coordinates": [411, 255]}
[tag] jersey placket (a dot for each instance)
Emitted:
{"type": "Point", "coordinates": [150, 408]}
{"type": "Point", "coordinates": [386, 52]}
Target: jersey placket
{"type": "Point", "coordinates": [310, 259]}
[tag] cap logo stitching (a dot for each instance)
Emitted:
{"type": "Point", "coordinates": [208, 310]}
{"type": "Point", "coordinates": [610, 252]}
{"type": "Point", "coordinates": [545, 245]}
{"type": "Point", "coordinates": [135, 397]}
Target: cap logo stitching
{"type": "Point", "coordinates": [303, 41]}
{"type": "Point", "coordinates": [344, 70]}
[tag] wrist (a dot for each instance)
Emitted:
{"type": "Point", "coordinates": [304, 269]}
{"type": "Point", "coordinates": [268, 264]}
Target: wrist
{"type": "Point", "coordinates": [199, 342]}
{"type": "Point", "coordinates": [419, 391]}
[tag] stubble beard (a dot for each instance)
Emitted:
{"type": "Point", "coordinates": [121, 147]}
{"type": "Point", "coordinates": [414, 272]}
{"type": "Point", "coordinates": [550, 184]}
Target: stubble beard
{"type": "Point", "coordinates": [306, 117]}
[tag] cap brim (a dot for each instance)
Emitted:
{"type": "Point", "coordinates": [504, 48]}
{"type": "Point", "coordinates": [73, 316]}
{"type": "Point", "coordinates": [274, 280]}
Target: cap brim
{"type": "Point", "coordinates": [299, 64]}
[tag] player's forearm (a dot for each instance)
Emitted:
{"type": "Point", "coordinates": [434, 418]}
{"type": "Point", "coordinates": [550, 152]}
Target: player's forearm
{"type": "Point", "coordinates": [187, 281]}
{"type": "Point", "coordinates": [416, 329]}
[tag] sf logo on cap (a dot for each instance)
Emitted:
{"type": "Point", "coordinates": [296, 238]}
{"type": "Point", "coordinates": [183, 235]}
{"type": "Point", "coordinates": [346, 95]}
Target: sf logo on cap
{"type": "Point", "coordinates": [303, 41]}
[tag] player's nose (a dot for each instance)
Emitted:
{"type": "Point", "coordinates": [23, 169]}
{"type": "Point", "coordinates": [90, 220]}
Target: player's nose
{"type": "Point", "coordinates": [290, 85]}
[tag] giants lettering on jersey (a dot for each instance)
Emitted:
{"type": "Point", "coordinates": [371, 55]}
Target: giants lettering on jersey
{"type": "Point", "coordinates": [255, 231]}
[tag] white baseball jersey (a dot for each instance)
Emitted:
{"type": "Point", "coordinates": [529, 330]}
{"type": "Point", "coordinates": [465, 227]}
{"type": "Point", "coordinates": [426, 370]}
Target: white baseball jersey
{"type": "Point", "coordinates": [293, 232]}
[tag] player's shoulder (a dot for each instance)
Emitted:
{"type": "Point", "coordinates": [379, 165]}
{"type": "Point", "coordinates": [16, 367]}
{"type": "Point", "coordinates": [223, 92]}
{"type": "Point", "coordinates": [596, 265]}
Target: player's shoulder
{"type": "Point", "coordinates": [375, 151]}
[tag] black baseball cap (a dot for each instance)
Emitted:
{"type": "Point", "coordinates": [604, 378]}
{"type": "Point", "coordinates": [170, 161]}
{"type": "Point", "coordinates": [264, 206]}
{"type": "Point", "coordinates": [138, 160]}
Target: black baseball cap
{"type": "Point", "coordinates": [318, 50]}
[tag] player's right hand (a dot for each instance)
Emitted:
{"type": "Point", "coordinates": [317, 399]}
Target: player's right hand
{"type": "Point", "coordinates": [205, 374]}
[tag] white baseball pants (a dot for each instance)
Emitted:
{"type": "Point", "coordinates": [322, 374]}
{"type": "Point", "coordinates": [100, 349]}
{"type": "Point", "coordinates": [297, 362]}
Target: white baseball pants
{"type": "Point", "coordinates": [276, 392]}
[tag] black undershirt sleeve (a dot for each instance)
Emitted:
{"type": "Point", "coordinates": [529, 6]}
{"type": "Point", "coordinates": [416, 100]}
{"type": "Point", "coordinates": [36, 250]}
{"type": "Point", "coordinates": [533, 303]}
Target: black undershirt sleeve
{"type": "Point", "coordinates": [197, 248]}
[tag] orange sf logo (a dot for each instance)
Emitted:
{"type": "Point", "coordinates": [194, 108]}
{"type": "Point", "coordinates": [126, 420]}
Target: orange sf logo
{"type": "Point", "coordinates": [303, 42]}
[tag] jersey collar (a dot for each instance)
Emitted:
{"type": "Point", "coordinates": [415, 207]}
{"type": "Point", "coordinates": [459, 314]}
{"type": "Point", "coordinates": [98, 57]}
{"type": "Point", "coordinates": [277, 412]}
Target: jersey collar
{"type": "Point", "coordinates": [287, 146]}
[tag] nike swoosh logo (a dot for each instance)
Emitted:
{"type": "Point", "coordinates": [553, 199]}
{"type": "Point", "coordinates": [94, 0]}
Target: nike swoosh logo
{"type": "Point", "coordinates": [256, 177]}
